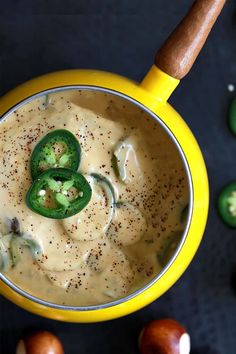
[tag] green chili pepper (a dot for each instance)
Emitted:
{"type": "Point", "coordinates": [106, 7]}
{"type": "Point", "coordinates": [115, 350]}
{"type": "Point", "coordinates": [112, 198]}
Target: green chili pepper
{"type": "Point", "coordinates": [5, 256]}
{"type": "Point", "coordinates": [227, 204]}
{"type": "Point", "coordinates": [18, 242]}
{"type": "Point", "coordinates": [59, 193]}
{"type": "Point", "coordinates": [59, 148]}
{"type": "Point", "coordinates": [184, 214]}
{"type": "Point", "coordinates": [169, 247]}
{"type": "Point", "coordinates": [119, 159]}
{"type": "Point", "coordinates": [232, 116]}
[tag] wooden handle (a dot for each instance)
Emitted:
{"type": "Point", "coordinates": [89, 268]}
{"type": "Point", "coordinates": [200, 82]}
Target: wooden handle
{"type": "Point", "coordinates": [181, 49]}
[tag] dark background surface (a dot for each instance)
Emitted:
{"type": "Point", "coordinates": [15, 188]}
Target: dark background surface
{"type": "Point", "coordinates": [122, 36]}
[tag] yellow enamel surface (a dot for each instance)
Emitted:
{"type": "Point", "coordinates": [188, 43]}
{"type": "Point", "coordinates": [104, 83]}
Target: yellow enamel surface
{"type": "Point", "coordinates": [159, 84]}
{"type": "Point", "coordinates": [152, 93]}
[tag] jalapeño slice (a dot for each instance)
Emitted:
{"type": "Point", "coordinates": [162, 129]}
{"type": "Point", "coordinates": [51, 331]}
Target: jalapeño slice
{"type": "Point", "coordinates": [59, 193]}
{"type": "Point", "coordinates": [232, 116]}
{"type": "Point", "coordinates": [169, 247]}
{"type": "Point", "coordinates": [227, 204]}
{"type": "Point", "coordinates": [57, 149]}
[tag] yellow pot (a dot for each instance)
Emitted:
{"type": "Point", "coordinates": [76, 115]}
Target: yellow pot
{"type": "Point", "coordinates": [152, 94]}
{"type": "Point", "coordinates": [173, 61]}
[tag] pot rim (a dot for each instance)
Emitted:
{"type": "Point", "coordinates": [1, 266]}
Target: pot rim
{"type": "Point", "coordinates": [171, 135]}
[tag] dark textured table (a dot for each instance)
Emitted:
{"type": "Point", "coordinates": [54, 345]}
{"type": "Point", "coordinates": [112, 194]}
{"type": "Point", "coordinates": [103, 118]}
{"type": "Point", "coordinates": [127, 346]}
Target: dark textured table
{"type": "Point", "coordinates": [122, 36]}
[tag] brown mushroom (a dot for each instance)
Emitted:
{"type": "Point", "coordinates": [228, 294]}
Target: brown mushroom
{"type": "Point", "coordinates": [165, 336]}
{"type": "Point", "coordinates": [42, 342]}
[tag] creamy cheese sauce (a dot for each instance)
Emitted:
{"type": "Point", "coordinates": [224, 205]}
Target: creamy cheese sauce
{"type": "Point", "coordinates": [100, 254]}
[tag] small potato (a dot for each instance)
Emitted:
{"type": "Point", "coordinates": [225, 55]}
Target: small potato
{"type": "Point", "coordinates": [42, 342]}
{"type": "Point", "coordinates": [165, 336]}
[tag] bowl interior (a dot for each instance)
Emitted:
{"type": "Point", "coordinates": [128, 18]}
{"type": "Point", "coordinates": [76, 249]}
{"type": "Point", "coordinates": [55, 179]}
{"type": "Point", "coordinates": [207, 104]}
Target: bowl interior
{"type": "Point", "coordinates": [167, 212]}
